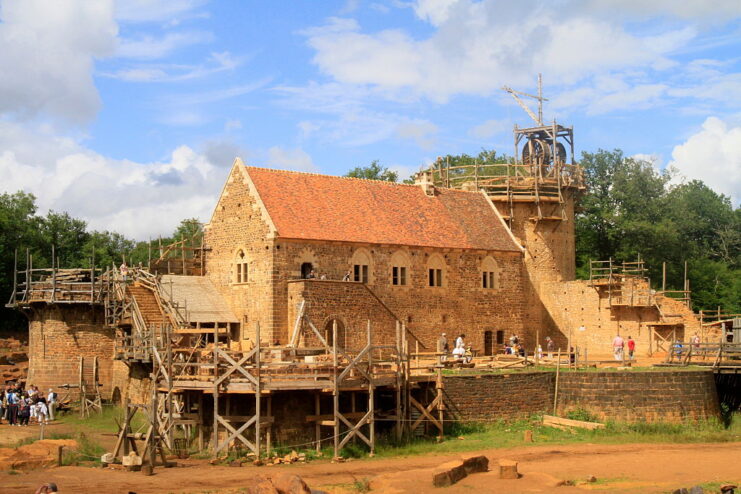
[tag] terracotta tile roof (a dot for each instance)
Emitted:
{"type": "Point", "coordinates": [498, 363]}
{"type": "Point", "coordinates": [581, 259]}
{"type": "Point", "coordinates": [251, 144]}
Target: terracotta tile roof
{"type": "Point", "coordinates": [322, 207]}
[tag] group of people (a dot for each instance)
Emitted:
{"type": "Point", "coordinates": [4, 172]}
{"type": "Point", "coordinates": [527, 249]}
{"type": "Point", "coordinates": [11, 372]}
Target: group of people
{"type": "Point", "coordinates": [618, 347]}
{"type": "Point", "coordinates": [460, 353]}
{"type": "Point", "coordinates": [21, 406]}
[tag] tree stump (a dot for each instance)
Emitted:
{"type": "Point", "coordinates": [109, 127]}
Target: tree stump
{"type": "Point", "coordinates": [508, 469]}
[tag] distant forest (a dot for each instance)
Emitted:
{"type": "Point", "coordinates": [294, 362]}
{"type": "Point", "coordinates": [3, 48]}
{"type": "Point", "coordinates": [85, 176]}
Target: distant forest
{"type": "Point", "coordinates": [630, 209]}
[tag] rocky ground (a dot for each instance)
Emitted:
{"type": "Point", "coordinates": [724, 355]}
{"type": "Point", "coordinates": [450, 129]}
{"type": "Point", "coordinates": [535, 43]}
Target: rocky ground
{"type": "Point", "coordinates": [13, 359]}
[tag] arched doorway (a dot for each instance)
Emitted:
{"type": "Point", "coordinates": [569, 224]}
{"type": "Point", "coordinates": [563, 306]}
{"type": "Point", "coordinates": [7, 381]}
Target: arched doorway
{"type": "Point", "coordinates": [306, 269]}
{"type": "Point", "coordinates": [329, 333]}
{"type": "Point", "coordinates": [488, 343]}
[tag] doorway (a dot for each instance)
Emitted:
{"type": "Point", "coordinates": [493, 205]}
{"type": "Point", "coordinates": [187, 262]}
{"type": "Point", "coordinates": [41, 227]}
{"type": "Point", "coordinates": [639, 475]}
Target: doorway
{"type": "Point", "coordinates": [306, 269]}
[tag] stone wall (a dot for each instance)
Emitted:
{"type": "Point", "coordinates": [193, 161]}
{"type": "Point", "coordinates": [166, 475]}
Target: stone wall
{"type": "Point", "coordinates": [575, 303]}
{"type": "Point", "coordinates": [58, 335]}
{"type": "Point", "coordinates": [500, 396]}
{"type": "Point", "coordinates": [461, 305]}
{"type": "Point", "coordinates": [351, 304]}
{"type": "Point", "coordinates": [668, 396]}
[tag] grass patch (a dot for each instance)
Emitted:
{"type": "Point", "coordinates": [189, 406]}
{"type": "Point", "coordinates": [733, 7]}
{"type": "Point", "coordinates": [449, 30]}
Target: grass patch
{"type": "Point", "coordinates": [712, 487]}
{"type": "Point", "coordinates": [88, 452]}
{"type": "Point", "coordinates": [106, 421]}
{"type": "Point", "coordinates": [511, 434]}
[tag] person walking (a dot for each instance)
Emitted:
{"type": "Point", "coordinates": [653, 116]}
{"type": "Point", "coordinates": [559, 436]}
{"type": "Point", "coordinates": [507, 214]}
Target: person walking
{"type": "Point", "coordinates": [618, 344]}
{"type": "Point", "coordinates": [42, 412]}
{"type": "Point", "coordinates": [51, 403]}
{"type": "Point", "coordinates": [631, 347]}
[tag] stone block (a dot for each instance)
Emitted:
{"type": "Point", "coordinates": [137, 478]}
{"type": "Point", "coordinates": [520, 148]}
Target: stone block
{"type": "Point", "coordinates": [448, 473]}
{"type": "Point", "coordinates": [476, 464]}
{"type": "Point", "coordinates": [290, 484]}
{"type": "Point", "coordinates": [508, 469]}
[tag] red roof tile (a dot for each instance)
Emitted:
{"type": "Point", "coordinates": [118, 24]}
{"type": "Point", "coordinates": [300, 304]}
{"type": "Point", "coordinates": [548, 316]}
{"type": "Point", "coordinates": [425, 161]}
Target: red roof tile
{"type": "Point", "coordinates": [322, 207]}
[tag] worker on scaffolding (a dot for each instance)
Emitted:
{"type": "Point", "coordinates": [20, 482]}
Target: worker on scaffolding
{"type": "Point", "coordinates": [442, 349]}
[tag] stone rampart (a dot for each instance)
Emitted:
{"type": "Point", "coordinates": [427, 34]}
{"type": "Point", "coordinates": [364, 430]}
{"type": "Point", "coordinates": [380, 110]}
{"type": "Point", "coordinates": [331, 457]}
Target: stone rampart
{"type": "Point", "coordinates": [668, 396]}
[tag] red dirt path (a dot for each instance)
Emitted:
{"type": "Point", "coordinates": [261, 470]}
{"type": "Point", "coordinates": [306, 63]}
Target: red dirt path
{"type": "Point", "coordinates": [649, 468]}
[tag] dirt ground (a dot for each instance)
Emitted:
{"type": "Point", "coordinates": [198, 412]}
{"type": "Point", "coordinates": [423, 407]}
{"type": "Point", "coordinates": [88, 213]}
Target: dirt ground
{"type": "Point", "coordinates": [649, 468]}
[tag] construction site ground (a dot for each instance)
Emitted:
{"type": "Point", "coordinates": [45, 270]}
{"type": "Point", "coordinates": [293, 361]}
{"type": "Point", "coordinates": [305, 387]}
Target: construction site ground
{"type": "Point", "coordinates": [647, 468]}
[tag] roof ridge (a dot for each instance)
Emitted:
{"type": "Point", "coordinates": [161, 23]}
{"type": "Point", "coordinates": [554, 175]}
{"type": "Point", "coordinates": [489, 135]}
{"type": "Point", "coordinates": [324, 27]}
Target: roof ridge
{"type": "Point", "coordinates": [280, 170]}
{"type": "Point", "coordinates": [385, 182]}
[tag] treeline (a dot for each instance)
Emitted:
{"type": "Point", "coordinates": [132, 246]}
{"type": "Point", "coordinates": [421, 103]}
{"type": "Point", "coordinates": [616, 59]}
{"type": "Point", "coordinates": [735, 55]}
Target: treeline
{"type": "Point", "coordinates": [21, 228]}
{"type": "Point", "coordinates": [631, 209]}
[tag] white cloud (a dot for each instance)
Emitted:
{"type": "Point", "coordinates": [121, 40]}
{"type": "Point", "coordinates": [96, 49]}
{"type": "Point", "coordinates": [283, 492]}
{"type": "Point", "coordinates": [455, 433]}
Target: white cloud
{"type": "Point", "coordinates": [154, 10]}
{"type": "Point", "coordinates": [290, 159]}
{"type": "Point", "coordinates": [136, 199]}
{"type": "Point", "coordinates": [478, 46]}
{"type": "Point", "coordinates": [47, 56]}
{"type": "Point", "coordinates": [232, 124]}
{"type": "Point", "coordinates": [712, 155]}
{"type": "Point", "coordinates": [420, 131]}
{"type": "Point", "coordinates": [158, 72]}
{"type": "Point", "coordinates": [489, 129]}
{"type": "Point", "coordinates": [152, 47]}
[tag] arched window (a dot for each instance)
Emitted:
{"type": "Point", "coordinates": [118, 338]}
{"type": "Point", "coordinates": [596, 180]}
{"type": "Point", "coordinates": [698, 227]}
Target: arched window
{"type": "Point", "coordinates": [241, 268]}
{"type": "Point", "coordinates": [489, 273]}
{"type": "Point", "coordinates": [361, 266]}
{"type": "Point", "coordinates": [436, 271]}
{"type": "Point", "coordinates": [400, 268]}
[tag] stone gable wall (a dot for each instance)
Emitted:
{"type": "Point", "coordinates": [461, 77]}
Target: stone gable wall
{"type": "Point", "coordinates": [239, 222]}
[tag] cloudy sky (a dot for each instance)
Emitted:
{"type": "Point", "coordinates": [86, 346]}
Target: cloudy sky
{"type": "Point", "coordinates": [129, 113]}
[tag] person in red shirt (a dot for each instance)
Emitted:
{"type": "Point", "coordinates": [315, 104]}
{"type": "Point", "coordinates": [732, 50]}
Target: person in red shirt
{"type": "Point", "coordinates": [631, 347]}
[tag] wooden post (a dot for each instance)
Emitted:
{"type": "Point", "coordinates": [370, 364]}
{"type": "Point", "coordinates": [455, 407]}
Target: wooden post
{"type": "Point", "coordinates": [336, 392]}
{"type": "Point", "coordinates": [440, 406]}
{"type": "Point", "coordinates": [258, 391]}
{"type": "Point", "coordinates": [92, 278]}
{"type": "Point", "coordinates": [14, 298]}
{"type": "Point", "coordinates": [28, 276]}
{"type": "Point", "coordinates": [200, 422]}
{"type": "Point", "coordinates": [663, 276]}
{"type": "Point", "coordinates": [216, 389]}
{"type": "Point", "coordinates": [558, 374]}
{"type": "Point", "coordinates": [53, 275]}
{"type": "Point", "coordinates": [398, 381]}
{"type": "Point", "coordinates": [268, 433]}
{"type": "Point", "coordinates": [317, 426]}
{"type": "Point", "coordinates": [371, 395]}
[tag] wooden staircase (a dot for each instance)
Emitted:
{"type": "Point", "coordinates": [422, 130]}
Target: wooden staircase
{"type": "Point", "coordinates": [148, 306]}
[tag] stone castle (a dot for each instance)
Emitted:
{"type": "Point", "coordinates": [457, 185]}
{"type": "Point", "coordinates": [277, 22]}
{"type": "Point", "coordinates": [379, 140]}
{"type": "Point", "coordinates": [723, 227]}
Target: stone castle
{"type": "Point", "coordinates": [482, 250]}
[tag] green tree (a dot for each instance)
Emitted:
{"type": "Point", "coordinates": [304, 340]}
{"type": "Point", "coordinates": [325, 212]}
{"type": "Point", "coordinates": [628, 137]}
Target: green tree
{"type": "Point", "coordinates": [19, 229]}
{"type": "Point", "coordinates": [374, 171]}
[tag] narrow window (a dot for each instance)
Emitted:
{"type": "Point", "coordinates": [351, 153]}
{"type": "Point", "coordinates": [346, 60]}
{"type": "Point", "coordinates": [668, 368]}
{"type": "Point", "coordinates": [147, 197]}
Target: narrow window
{"type": "Point", "coordinates": [488, 279]}
{"type": "Point", "coordinates": [399, 275]}
{"type": "Point", "coordinates": [241, 268]}
{"type": "Point", "coordinates": [360, 273]}
{"type": "Point", "coordinates": [436, 277]}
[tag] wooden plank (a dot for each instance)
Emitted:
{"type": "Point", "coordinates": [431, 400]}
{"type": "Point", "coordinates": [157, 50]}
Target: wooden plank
{"type": "Point", "coordinates": [558, 421]}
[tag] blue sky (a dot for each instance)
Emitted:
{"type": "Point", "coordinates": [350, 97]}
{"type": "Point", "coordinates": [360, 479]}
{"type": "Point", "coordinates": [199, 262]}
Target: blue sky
{"type": "Point", "coordinates": [128, 114]}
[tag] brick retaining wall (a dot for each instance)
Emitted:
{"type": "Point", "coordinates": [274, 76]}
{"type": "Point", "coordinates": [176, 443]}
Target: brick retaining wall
{"type": "Point", "coordinates": [500, 396]}
{"type": "Point", "coordinates": [670, 396]}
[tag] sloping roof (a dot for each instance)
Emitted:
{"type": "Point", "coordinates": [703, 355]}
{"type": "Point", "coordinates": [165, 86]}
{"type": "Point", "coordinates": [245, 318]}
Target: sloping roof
{"type": "Point", "coordinates": [199, 297]}
{"type": "Point", "coordinates": [322, 207]}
